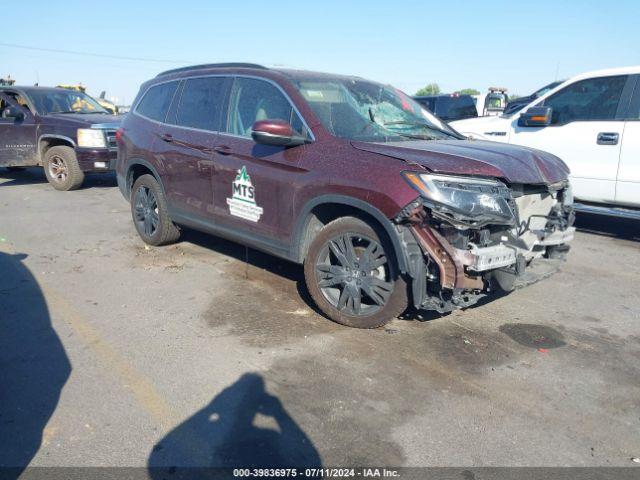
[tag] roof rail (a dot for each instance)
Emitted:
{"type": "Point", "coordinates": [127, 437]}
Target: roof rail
{"type": "Point", "coordinates": [213, 65]}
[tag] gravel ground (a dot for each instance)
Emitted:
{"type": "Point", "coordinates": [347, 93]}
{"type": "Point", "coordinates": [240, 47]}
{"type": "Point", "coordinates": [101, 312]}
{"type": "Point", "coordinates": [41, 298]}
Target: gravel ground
{"type": "Point", "coordinates": [114, 353]}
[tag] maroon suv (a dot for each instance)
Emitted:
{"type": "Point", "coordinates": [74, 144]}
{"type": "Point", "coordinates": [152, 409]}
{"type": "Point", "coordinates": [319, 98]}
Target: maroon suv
{"type": "Point", "coordinates": [383, 203]}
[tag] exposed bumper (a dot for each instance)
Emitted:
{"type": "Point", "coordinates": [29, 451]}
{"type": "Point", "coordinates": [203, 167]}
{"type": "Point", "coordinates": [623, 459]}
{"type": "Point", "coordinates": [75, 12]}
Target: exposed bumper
{"type": "Point", "coordinates": [482, 259]}
{"type": "Point", "coordinates": [465, 276]}
{"type": "Point", "coordinates": [96, 159]}
{"type": "Point", "coordinates": [498, 256]}
{"type": "Point", "coordinates": [453, 265]}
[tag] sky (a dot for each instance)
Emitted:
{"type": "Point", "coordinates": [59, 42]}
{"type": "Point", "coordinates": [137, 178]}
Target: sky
{"type": "Point", "coordinates": [520, 45]}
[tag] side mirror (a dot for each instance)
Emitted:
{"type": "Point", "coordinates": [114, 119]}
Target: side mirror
{"type": "Point", "coordinates": [14, 113]}
{"type": "Point", "coordinates": [536, 117]}
{"type": "Point", "coordinates": [276, 132]}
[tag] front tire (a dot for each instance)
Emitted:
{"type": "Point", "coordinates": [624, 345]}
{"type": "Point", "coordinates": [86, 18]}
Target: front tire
{"type": "Point", "coordinates": [150, 214]}
{"type": "Point", "coordinates": [352, 275]}
{"type": "Point", "coordinates": [62, 169]}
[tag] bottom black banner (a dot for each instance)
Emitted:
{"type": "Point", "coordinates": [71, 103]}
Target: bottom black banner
{"type": "Point", "coordinates": [404, 473]}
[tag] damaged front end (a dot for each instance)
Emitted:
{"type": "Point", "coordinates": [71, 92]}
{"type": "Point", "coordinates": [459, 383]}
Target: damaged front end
{"type": "Point", "coordinates": [466, 237]}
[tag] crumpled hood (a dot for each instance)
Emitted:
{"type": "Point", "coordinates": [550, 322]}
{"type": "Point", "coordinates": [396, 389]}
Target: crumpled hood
{"type": "Point", "coordinates": [513, 163]}
{"type": "Point", "coordinates": [88, 118]}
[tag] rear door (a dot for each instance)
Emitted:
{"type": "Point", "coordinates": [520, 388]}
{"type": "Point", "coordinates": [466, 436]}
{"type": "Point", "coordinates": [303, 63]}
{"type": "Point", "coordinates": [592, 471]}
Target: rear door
{"type": "Point", "coordinates": [254, 183]}
{"type": "Point", "coordinates": [586, 131]}
{"type": "Point", "coordinates": [185, 142]}
{"type": "Point", "coordinates": [18, 137]}
{"type": "Point", "coordinates": [628, 184]}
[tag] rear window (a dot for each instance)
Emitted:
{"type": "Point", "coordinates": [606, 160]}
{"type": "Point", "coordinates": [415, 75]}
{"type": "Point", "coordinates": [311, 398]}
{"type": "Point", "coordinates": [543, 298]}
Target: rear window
{"type": "Point", "coordinates": [201, 103]}
{"type": "Point", "coordinates": [453, 108]}
{"type": "Point", "coordinates": [428, 103]}
{"type": "Point", "coordinates": [156, 101]}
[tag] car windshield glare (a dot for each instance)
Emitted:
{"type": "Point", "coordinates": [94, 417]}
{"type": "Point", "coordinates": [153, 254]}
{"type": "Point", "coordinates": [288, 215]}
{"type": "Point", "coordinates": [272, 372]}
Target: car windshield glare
{"type": "Point", "coordinates": [366, 111]}
{"type": "Point", "coordinates": [47, 102]}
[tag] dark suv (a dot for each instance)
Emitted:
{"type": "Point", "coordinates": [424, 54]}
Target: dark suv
{"type": "Point", "coordinates": [382, 202]}
{"type": "Point", "coordinates": [449, 107]}
{"type": "Point", "coordinates": [67, 132]}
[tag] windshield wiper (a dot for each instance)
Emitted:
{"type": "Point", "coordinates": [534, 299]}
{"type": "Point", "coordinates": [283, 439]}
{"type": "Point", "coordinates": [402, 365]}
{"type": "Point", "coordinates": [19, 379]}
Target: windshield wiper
{"type": "Point", "coordinates": [392, 132]}
{"type": "Point", "coordinates": [415, 137]}
{"type": "Point", "coordinates": [424, 125]}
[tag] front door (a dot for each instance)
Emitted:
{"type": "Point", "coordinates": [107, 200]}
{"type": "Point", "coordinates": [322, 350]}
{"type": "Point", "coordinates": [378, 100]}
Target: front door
{"type": "Point", "coordinates": [18, 142]}
{"type": "Point", "coordinates": [186, 143]}
{"type": "Point", "coordinates": [254, 183]}
{"type": "Point", "coordinates": [628, 185]}
{"type": "Point", "coordinates": [585, 132]}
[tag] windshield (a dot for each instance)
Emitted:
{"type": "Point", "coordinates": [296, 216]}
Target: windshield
{"type": "Point", "coordinates": [545, 89]}
{"type": "Point", "coordinates": [57, 101]}
{"type": "Point", "coordinates": [370, 112]}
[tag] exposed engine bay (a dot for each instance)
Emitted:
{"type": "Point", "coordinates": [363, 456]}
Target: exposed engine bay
{"type": "Point", "coordinates": [459, 255]}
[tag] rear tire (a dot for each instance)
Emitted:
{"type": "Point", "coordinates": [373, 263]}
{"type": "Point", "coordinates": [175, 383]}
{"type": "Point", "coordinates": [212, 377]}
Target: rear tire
{"type": "Point", "coordinates": [62, 169]}
{"type": "Point", "coordinates": [150, 214]}
{"type": "Point", "coordinates": [352, 275]}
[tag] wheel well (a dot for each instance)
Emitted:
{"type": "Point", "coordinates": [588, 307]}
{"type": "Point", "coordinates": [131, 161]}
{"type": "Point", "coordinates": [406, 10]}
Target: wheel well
{"type": "Point", "coordinates": [47, 143]}
{"type": "Point", "coordinates": [325, 213]}
{"type": "Point", "coordinates": [136, 171]}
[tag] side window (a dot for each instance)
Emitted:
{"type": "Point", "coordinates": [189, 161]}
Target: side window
{"type": "Point", "coordinates": [590, 99]}
{"type": "Point", "coordinates": [19, 100]}
{"type": "Point", "coordinates": [156, 101]}
{"type": "Point", "coordinates": [634, 107]}
{"type": "Point", "coordinates": [22, 102]}
{"type": "Point", "coordinates": [253, 100]}
{"type": "Point", "coordinates": [201, 103]}
{"type": "Point", "coordinates": [4, 105]}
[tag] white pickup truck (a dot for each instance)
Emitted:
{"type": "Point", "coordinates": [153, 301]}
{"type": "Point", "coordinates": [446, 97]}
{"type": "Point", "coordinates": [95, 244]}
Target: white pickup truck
{"type": "Point", "coordinates": [592, 122]}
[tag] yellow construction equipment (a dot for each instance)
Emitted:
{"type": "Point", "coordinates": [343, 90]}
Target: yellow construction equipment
{"type": "Point", "coordinates": [104, 103]}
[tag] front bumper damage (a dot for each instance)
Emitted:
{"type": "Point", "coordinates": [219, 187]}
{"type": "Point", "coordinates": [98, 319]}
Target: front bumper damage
{"type": "Point", "coordinates": [454, 267]}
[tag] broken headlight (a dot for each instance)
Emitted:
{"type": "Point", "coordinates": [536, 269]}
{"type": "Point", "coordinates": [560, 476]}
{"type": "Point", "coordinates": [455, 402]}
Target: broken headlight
{"type": "Point", "coordinates": [464, 199]}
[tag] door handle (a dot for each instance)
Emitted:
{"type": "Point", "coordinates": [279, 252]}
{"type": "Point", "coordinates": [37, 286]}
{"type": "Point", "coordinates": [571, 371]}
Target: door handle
{"type": "Point", "coordinates": [222, 149]}
{"type": "Point", "coordinates": [608, 138]}
{"type": "Point", "coordinates": [167, 137]}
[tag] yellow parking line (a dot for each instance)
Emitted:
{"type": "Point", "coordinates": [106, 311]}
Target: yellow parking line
{"type": "Point", "coordinates": [142, 388]}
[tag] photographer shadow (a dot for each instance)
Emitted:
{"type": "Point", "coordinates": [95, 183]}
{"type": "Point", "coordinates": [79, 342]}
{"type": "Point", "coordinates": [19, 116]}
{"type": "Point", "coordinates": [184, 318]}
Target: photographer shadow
{"type": "Point", "coordinates": [34, 366]}
{"type": "Point", "coordinates": [243, 426]}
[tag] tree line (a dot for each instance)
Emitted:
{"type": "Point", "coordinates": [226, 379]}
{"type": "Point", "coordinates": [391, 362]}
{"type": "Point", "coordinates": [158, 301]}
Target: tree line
{"type": "Point", "coordinates": [434, 89]}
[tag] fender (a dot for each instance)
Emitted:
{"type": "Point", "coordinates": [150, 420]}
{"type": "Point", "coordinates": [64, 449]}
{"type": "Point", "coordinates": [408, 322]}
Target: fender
{"type": "Point", "coordinates": [304, 215]}
{"type": "Point", "coordinates": [55, 137]}
{"type": "Point", "coordinates": [123, 181]}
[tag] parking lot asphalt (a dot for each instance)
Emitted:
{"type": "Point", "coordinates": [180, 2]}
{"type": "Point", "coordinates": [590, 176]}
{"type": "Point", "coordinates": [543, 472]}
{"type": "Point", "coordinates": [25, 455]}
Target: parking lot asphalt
{"type": "Point", "coordinates": [119, 354]}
